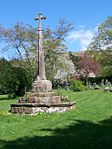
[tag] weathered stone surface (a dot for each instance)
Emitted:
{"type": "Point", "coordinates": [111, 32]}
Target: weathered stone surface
{"type": "Point", "coordinates": [41, 86]}
{"type": "Point", "coordinates": [40, 50]}
{"type": "Point", "coordinates": [43, 104]}
{"type": "Point", "coordinates": [41, 94]}
{"type": "Point", "coordinates": [34, 100]}
{"type": "Point", "coordinates": [45, 99]}
{"type": "Point", "coordinates": [31, 108]}
{"type": "Point", "coordinates": [22, 100]}
{"type": "Point", "coordinates": [21, 110]}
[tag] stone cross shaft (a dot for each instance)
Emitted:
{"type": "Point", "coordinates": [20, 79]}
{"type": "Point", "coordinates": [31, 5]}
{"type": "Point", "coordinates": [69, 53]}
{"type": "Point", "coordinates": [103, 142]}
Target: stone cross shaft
{"type": "Point", "coordinates": [41, 64]}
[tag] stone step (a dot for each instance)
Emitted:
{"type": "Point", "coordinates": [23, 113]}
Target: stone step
{"type": "Point", "coordinates": [49, 99]}
{"type": "Point", "coordinates": [41, 94]}
{"type": "Point", "coordinates": [43, 104]}
{"type": "Point", "coordinates": [32, 108]}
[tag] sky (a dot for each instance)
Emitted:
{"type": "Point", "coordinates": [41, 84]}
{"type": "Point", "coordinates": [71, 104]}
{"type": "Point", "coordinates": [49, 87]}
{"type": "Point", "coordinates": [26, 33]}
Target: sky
{"type": "Point", "coordinates": [85, 14]}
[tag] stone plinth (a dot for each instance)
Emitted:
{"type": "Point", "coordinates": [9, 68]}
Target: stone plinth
{"type": "Point", "coordinates": [42, 102]}
{"type": "Point", "coordinates": [41, 86]}
{"type": "Point", "coordinates": [32, 108]}
{"type": "Point", "coordinates": [47, 99]}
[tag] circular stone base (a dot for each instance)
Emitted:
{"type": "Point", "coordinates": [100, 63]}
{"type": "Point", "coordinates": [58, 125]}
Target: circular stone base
{"type": "Point", "coordinates": [42, 86]}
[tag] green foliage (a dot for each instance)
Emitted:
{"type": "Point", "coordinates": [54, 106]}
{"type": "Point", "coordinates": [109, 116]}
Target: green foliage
{"type": "Point", "coordinates": [8, 80]}
{"type": "Point", "coordinates": [101, 47]}
{"type": "Point", "coordinates": [24, 83]}
{"type": "Point", "coordinates": [59, 83]}
{"type": "Point", "coordinates": [106, 71]}
{"type": "Point", "coordinates": [76, 85]}
{"type": "Point", "coordinates": [74, 59]}
{"type": "Point", "coordinates": [13, 80]}
{"type": "Point", "coordinates": [55, 47]}
{"type": "Point", "coordinates": [103, 39]}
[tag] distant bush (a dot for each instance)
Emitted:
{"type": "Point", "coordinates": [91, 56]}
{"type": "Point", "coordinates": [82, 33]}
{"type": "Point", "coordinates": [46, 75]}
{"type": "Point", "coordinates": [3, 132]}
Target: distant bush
{"type": "Point", "coordinates": [77, 85]}
{"type": "Point", "coordinates": [58, 83]}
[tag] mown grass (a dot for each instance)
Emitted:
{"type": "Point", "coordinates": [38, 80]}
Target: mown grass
{"type": "Point", "coordinates": [88, 126]}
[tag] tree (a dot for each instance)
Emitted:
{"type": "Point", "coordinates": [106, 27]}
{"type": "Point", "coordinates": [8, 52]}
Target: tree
{"type": "Point", "coordinates": [67, 69]}
{"type": "Point", "coordinates": [101, 47]}
{"type": "Point", "coordinates": [74, 58]}
{"type": "Point", "coordinates": [107, 72]}
{"type": "Point", "coordinates": [103, 39]}
{"type": "Point", "coordinates": [13, 80]}
{"type": "Point", "coordinates": [8, 79]}
{"type": "Point", "coordinates": [19, 38]}
{"type": "Point", "coordinates": [24, 40]}
{"type": "Point", "coordinates": [55, 49]}
{"type": "Point", "coordinates": [87, 65]}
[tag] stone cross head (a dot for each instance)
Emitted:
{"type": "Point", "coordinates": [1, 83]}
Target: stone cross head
{"type": "Point", "coordinates": [40, 17]}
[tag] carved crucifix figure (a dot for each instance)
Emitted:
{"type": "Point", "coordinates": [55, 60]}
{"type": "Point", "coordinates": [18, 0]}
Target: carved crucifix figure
{"type": "Point", "coordinates": [41, 64]}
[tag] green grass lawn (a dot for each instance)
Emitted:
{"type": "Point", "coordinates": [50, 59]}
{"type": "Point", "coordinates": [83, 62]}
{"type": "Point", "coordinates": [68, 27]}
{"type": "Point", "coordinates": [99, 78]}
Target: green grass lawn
{"type": "Point", "coordinates": [88, 126]}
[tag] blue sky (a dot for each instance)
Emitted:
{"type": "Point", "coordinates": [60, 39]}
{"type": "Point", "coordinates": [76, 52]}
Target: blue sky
{"type": "Point", "coordinates": [85, 14]}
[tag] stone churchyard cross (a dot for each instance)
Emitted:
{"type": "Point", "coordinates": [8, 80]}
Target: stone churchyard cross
{"type": "Point", "coordinates": [41, 98]}
{"type": "Point", "coordinates": [41, 84]}
{"type": "Point", "coordinates": [41, 64]}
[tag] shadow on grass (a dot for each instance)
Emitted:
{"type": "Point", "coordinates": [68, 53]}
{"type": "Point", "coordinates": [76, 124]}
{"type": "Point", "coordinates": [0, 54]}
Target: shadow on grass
{"type": "Point", "coordinates": [6, 98]}
{"type": "Point", "coordinates": [79, 135]}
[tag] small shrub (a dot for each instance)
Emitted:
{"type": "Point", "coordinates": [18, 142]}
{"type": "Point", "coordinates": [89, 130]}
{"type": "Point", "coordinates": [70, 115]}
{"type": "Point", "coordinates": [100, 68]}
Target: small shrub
{"type": "Point", "coordinates": [77, 85]}
{"type": "Point", "coordinates": [57, 83]}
